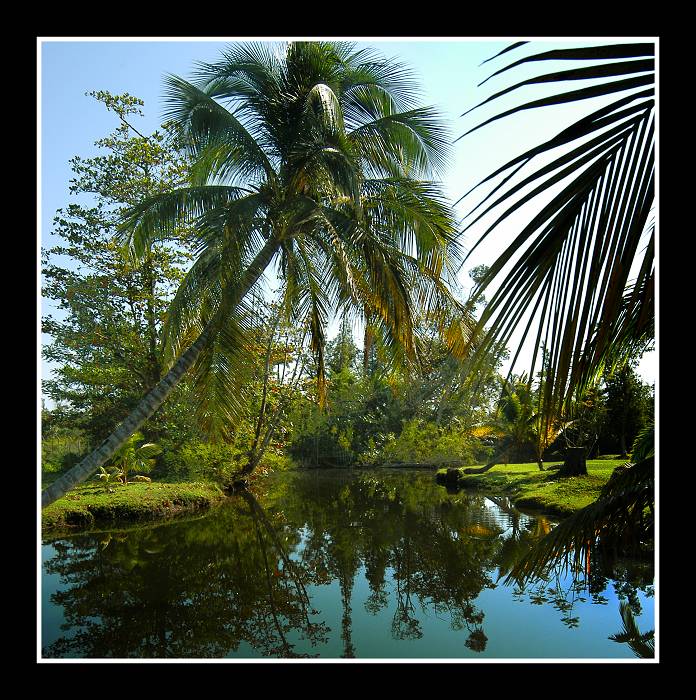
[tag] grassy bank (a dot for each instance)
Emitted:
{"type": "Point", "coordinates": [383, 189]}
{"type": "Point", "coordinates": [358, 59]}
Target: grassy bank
{"type": "Point", "coordinates": [530, 488]}
{"type": "Point", "coordinates": [90, 506]}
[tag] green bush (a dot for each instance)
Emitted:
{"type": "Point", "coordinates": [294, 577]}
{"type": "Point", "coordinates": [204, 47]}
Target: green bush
{"type": "Point", "coordinates": [200, 461]}
{"type": "Point", "coordinates": [420, 441]}
{"type": "Point", "coordinates": [275, 462]}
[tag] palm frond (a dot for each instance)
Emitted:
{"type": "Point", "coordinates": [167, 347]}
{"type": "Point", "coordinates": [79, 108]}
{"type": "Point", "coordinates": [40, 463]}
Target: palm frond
{"type": "Point", "coordinates": [644, 443]}
{"type": "Point", "coordinates": [642, 645]}
{"type": "Point", "coordinates": [620, 518]}
{"type": "Point", "coordinates": [222, 143]}
{"type": "Point", "coordinates": [404, 143]}
{"type": "Point", "coordinates": [158, 217]}
{"type": "Point", "coordinates": [578, 270]}
{"type": "Point", "coordinates": [222, 375]}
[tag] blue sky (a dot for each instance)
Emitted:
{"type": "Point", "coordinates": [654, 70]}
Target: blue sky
{"type": "Point", "coordinates": [449, 72]}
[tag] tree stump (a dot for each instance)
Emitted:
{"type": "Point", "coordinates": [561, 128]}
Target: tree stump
{"type": "Point", "coordinates": [575, 462]}
{"type": "Point", "coordinates": [452, 476]}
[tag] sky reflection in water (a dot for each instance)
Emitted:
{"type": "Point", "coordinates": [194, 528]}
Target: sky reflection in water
{"type": "Point", "coordinates": [332, 564]}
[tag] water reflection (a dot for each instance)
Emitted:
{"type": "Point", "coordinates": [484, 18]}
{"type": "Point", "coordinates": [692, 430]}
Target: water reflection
{"type": "Point", "coordinates": [243, 580]}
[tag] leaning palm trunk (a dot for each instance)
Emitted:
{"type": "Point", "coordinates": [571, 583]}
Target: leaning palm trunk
{"type": "Point", "coordinates": [155, 398]}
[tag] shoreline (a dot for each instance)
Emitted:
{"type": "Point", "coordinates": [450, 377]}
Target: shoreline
{"type": "Point", "coordinates": [90, 507]}
{"type": "Point", "coordinates": [534, 490]}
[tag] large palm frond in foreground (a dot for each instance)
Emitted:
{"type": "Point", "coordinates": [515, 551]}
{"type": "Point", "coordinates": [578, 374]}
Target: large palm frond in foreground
{"type": "Point", "coordinates": [578, 279]}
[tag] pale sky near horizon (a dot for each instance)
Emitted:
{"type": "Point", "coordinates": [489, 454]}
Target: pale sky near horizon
{"type": "Point", "coordinates": [449, 72]}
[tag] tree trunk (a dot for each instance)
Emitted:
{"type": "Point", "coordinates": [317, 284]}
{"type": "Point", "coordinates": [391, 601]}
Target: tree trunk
{"type": "Point", "coordinates": [153, 400]}
{"type": "Point", "coordinates": [575, 464]}
{"type": "Point", "coordinates": [154, 369]}
{"type": "Point", "coordinates": [480, 470]}
{"type": "Point", "coordinates": [367, 347]}
{"type": "Point", "coordinates": [497, 459]}
{"type": "Point", "coordinates": [622, 444]}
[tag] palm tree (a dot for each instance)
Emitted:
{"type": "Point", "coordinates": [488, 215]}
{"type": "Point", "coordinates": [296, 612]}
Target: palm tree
{"type": "Point", "coordinates": [316, 157]}
{"type": "Point", "coordinates": [585, 269]}
{"type": "Point", "coordinates": [130, 457]}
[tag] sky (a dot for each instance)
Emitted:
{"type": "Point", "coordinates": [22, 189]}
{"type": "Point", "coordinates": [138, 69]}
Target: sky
{"type": "Point", "coordinates": [449, 71]}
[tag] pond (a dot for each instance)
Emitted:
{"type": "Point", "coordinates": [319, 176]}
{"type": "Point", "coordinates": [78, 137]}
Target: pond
{"type": "Point", "coordinates": [333, 564]}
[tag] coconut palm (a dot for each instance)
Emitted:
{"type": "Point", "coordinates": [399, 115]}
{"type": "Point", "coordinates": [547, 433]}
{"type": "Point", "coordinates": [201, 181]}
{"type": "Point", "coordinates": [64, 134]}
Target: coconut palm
{"type": "Point", "coordinates": [315, 158]}
{"type": "Point", "coordinates": [132, 456]}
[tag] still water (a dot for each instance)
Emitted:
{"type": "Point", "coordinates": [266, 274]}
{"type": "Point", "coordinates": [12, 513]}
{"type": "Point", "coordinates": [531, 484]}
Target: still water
{"type": "Point", "coordinates": [333, 564]}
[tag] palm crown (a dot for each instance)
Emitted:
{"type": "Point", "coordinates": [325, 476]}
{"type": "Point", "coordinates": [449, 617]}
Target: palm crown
{"type": "Point", "coordinates": [307, 154]}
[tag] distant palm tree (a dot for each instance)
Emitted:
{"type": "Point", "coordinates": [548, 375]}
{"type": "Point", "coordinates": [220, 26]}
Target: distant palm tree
{"type": "Point", "coordinates": [315, 156]}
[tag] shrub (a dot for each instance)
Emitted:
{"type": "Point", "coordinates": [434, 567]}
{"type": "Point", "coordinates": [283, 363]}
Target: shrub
{"type": "Point", "coordinates": [426, 442]}
{"type": "Point", "coordinates": [201, 461]}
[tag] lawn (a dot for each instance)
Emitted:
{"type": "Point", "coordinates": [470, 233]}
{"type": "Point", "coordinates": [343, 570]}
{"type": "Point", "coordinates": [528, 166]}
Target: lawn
{"type": "Point", "coordinates": [528, 487]}
{"type": "Point", "coordinates": [90, 505]}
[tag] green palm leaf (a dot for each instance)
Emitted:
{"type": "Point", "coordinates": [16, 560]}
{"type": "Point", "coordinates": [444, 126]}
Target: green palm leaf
{"type": "Point", "coordinates": [148, 450]}
{"type": "Point", "coordinates": [581, 270]}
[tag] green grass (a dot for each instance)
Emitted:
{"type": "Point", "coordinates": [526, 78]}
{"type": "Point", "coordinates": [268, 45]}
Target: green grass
{"type": "Point", "coordinates": [530, 488]}
{"type": "Point", "coordinates": [90, 506]}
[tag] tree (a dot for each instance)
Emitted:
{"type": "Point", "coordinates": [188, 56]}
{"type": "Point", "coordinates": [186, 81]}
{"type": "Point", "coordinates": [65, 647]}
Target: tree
{"type": "Point", "coordinates": [628, 402]}
{"type": "Point", "coordinates": [342, 351]}
{"type": "Point", "coordinates": [105, 335]}
{"type": "Point", "coordinates": [516, 424]}
{"type": "Point", "coordinates": [282, 369]}
{"type": "Point", "coordinates": [309, 155]}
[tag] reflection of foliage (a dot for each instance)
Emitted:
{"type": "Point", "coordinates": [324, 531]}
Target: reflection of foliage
{"type": "Point", "coordinates": [405, 625]}
{"type": "Point", "coordinates": [642, 645]}
{"type": "Point", "coordinates": [196, 589]}
{"type": "Point", "coordinates": [377, 600]}
{"type": "Point", "coordinates": [621, 520]}
{"type": "Point", "coordinates": [563, 590]}
{"type": "Point", "coordinates": [477, 641]}
{"type": "Point", "coordinates": [240, 576]}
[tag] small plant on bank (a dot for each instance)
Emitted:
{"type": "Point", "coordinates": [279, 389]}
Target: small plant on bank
{"type": "Point", "coordinates": [106, 477]}
{"type": "Point", "coordinates": [130, 457]}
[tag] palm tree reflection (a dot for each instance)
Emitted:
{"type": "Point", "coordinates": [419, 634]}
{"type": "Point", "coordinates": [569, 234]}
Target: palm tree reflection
{"type": "Point", "coordinates": [241, 580]}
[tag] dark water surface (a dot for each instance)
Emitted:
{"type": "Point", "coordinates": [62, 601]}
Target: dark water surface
{"type": "Point", "coordinates": [332, 564]}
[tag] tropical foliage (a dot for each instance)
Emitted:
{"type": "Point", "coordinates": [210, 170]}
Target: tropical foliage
{"type": "Point", "coordinates": [107, 312]}
{"type": "Point", "coordinates": [132, 457]}
{"type": "Point", "coordinates": [583, 265]}
{"type": "Point", "coordinates": [620, 521]}
{"type": "Point", "coordinates": [310, 156]}
{"type": "Point", "coordinates": [307, 157]}
{"type": "Point", "coordinates": [581, 271]}
{"type": "Point", "coordinates": [295, 186]}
